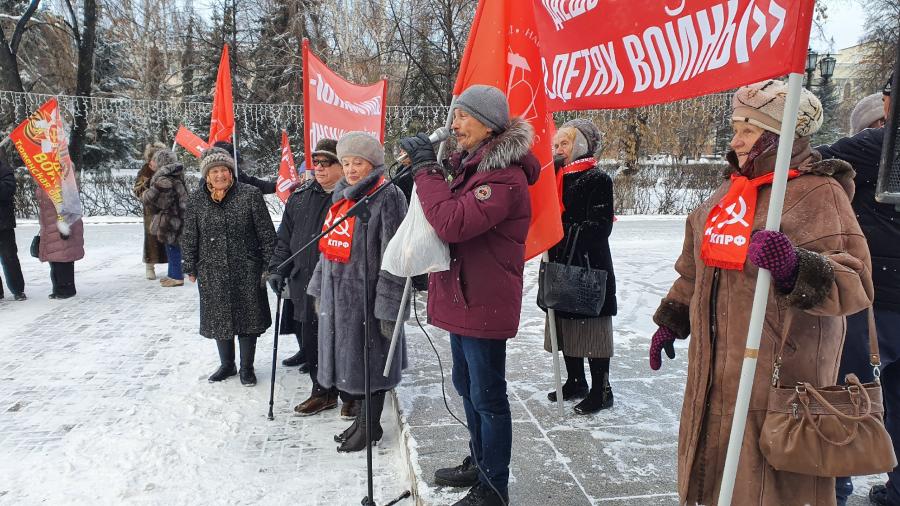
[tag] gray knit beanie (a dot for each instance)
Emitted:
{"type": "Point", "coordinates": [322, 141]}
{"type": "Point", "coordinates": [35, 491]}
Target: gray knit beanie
{"type": "Point", "coordinates": [589, 133]}
{"type": "Point", "coordinates": [362, 145]}
{"type": "Point", "coordinates": [163, 157]}
{"type": "Point", "coordinates": [487, 104]}
{"type": "Point", "coordinates": [215, 157]}
{"type": "Point", "coordinates": [866, 112]}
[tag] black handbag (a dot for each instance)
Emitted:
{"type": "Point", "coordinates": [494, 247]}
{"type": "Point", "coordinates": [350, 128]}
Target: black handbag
{"type": "Point", "coordinates": [35, 249]}
{"type": "Point", "coordinates": [572, 288]}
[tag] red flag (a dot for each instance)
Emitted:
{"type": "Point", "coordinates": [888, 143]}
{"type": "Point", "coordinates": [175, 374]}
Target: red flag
{"type": "Point", "coordinates": [603, 54]}
{"type": "Point", "coordinates": [42, 140]}
{"type": "Point", "coordinates": [333, 106]}
{"type": "Point", "coordinates": [189, 141]}
{"type": "Point", "coordinates": [287, 171]}
{"type": "Point", "coordinates": [503, 51]}
{"type": "Point", "coordinates": [221, 124]}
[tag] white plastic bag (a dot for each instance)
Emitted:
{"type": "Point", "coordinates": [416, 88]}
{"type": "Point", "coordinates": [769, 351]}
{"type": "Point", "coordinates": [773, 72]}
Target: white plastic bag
{"type": "Point", "coordinates": [415, 248]}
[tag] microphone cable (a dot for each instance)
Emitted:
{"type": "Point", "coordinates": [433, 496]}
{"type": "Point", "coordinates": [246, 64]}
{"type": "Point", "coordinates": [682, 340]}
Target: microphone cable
{"type": "Point", "coordinates": [444, 395]}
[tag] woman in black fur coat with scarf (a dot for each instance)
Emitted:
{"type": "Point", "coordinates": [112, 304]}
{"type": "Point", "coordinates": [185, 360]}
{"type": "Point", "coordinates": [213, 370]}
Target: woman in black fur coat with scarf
{"type": "Point", "coordinates": [587, 202]}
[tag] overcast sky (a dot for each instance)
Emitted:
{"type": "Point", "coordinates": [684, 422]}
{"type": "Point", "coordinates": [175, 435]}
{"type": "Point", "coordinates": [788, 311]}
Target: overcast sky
{"type": "Point", "coordinates": [846, 23]}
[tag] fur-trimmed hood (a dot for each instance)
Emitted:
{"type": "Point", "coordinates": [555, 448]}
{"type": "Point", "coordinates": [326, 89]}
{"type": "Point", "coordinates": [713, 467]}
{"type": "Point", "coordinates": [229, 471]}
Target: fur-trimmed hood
{"type": "Point", "coordinates": [512, 146]}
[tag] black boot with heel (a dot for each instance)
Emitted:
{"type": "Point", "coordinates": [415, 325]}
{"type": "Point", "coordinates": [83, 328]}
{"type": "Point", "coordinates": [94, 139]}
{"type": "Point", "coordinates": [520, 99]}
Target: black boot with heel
{"type": "Point", "coordinates": [601, 395]}
{"type": "Point", "coordinates": [356, 440]}
{"type": "Point", "coordinates": [575, 386]}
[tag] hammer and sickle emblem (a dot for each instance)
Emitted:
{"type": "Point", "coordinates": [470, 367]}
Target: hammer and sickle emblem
{"type": "Point", "coordinates": [736, 217]}
{"type": "Point", "coordinates": [343, 229]}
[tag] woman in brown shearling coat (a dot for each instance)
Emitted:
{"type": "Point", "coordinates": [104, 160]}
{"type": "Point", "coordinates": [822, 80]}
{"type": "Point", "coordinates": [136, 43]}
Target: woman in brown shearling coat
{"type": "Point", "coordinates": [821, 272]}
{"type": "Point", "coordinates": [154, 250]}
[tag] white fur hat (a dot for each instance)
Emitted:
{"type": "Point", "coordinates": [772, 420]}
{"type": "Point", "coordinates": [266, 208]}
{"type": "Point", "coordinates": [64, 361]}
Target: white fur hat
{"type": "Point", "coordinates": [762, 104]}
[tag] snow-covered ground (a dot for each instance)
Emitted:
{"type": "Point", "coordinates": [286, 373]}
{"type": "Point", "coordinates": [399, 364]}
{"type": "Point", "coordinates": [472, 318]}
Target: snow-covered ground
{"type": "Point", "coordinates": [104, 400]}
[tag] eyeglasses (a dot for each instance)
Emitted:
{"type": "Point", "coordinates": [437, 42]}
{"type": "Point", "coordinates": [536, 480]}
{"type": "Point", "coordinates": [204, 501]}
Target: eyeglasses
{"type": "Point", "coordinates": [323, 163]}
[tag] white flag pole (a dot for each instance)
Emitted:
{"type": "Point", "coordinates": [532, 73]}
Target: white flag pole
{"type": "Point", "coordinates": [554, 348]}
{"type": "Point", "coordinates": [761, 295]}
{"type": "Point", "coordinates": [407, 288]}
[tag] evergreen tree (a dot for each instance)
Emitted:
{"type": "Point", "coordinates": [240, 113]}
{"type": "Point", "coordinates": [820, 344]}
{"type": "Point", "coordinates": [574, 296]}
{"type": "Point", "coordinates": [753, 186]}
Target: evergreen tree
{"type": "Point", "coordinates": [833, 125]}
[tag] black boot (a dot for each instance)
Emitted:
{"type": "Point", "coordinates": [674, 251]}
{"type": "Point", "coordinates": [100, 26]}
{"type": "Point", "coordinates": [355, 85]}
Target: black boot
{"type": "Point", "coordinates": [463, 475]}
{"type": "Point", "coordinates": [343, 436]}
{"type": "Point", "coordinates": [601, 396]}
{"type": "Point", "coordinates": [248, 352]}
{"type": "Point", "coordinates": [575, 386]}
{"type": "Point", "coordinates": [298, 358]}
{"type": "Point", "coordinates": [226, 358]}
{"type": "Point", "coordinates": [356, 441]}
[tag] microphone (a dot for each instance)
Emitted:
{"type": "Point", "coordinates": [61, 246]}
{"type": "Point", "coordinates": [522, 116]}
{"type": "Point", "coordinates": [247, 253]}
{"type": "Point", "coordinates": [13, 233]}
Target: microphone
{"type": "Point", "coordinates": [436, 137]}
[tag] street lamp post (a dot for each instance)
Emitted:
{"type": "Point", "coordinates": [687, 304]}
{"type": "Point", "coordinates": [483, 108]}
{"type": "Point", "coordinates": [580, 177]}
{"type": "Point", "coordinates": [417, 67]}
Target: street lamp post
{"type": "Point", "coordinates": [812, 59]}
{"type": "Point", "coordinates": [826, 68]}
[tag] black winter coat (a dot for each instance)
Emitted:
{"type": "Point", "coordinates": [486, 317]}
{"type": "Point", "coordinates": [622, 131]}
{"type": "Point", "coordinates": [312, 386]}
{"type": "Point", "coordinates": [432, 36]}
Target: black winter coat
{"type": "Point", "coordinates": [879, 222]}
{"type": "Point", "coordinates": [266, 186]}
{"type": "Point", "coordinates": [588, 197]}
{"type": "Point", "coordinates": [227, 246]}
{"type": "Point", "coordinates": [304, 214]}
{"type": "Point", "coordinates": [7, 196]}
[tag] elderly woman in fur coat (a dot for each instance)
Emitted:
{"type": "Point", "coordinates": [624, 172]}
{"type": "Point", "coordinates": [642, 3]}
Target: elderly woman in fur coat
{"type": "Point", "coordinates": [166, 197]}
{"type": "Point", "coordinates": [227, 242]}
{"type": "Point", "coordinates": [154, 250]}
{"type": "Point", "coordinates": [338, 284]}
{"type": "Point", "coordinates": [821, 271]}
{"type": "Point", "coordinates": [587, 202]}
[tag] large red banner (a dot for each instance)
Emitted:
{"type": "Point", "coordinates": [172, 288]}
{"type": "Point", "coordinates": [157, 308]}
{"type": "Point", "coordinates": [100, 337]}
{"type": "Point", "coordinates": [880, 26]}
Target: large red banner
{"type": "Point", "coordinates": [333, 106]}
{"type": "Point", "coordinates": [503, 52]}
{"type": "Point", "coordinates": [603, 54]}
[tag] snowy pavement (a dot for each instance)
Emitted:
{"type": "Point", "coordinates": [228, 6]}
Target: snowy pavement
{"type": "Point", "coordinates": [104, 400]}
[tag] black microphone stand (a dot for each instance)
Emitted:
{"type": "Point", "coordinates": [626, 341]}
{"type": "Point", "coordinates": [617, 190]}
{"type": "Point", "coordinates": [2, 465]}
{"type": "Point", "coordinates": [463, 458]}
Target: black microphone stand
{"type": "Point", "coordinates": [360, 210]}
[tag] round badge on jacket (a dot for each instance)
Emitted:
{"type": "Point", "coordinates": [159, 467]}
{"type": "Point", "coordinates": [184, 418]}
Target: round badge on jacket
{"type": "Point", "coordinates": [483, 192]}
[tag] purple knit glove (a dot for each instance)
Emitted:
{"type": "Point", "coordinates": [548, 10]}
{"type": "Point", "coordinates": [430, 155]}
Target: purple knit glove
{"type": "Point", "coordinates": [773, 251]}
{"type": "Point", "coordinates": [663, 339]}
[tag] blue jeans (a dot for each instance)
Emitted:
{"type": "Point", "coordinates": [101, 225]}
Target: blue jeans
{"type": "Point", "coordinates": [173, 251]}
{"type": "Point", "coordinates": [479, 376]}
{"type": "Point", "coordinates": [855, 359]}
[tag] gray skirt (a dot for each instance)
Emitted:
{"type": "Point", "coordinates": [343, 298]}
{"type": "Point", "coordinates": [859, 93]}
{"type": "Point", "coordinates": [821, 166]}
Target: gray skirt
{"type": "Point", "coordinates": [588, 337]}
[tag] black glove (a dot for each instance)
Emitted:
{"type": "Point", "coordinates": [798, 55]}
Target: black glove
{"type": "Point", "coordinates": [276, 282]}
{"type": "Point", "coordinates": [559, 161]}
{"type": "Point", "coordinates": [63, 236]}
{"type": "Point", "coordinates": [420, 151]}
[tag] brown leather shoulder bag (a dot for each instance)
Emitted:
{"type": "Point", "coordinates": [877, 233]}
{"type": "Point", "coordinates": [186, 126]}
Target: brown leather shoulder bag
{"type": "Point", "coordinates": [831, 431]}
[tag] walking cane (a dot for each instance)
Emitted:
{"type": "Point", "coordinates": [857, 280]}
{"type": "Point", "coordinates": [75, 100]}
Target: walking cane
{"type": "Point", "coordinates": [275, 354]}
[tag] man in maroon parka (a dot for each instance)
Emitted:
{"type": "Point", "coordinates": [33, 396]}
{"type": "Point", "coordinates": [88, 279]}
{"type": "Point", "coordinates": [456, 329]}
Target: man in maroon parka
{"type": "Point", "coordinates": [481, 208]}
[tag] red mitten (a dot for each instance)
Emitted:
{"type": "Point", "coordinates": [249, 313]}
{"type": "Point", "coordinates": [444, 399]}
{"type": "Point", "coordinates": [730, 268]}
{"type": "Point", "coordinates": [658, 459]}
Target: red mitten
{"type": "Point", "coordinates": [773, 251]}
{"type": "Point", "coordinates": [663, 339]}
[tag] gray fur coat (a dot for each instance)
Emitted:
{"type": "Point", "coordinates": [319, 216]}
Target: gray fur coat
{"type": "Point", "coordinates": [227, 246]}
{"type": "Point", "coordinates": [339, 289]}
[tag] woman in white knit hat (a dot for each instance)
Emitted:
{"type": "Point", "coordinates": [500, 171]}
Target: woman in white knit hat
{"type": "Point", "coordinates": [821, 272]}
{"type": "Point", "coordinates": [338, 286]}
